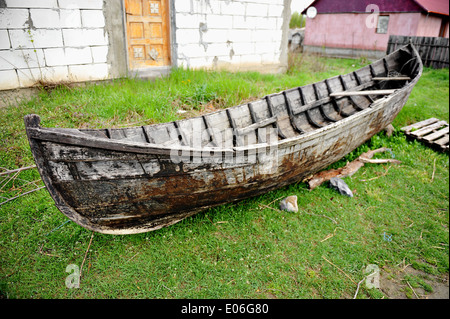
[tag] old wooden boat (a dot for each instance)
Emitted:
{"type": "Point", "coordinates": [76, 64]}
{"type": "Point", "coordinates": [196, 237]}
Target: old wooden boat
{"type": "Point", "coordinates": [138, 179]}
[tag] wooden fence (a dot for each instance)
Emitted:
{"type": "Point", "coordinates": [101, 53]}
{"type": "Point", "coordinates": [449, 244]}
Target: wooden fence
{"type": "Point", "coordinates": [433, 51]}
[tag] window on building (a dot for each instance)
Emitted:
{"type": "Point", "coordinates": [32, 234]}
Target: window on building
{"type": "Point", "coordinates": [382, 25]}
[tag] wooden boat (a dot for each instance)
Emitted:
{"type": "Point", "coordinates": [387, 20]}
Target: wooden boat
{"type": "Point", "coordinates": [132, 180]}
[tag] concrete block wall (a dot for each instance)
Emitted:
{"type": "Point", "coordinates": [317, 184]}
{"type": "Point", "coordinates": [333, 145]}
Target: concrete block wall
{"type": "Point", "coordinates": [55, 41]}
{"type": "Point", "coordinates": [237, 35]}
{"type": "Point", "coordinates": [52, 41]}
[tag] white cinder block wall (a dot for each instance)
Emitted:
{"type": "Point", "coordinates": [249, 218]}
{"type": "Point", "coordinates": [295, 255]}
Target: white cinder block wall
{"type": "Point", "coordinates": [52, 41]}
{"type": "Point", "coordinates": [231, 34]}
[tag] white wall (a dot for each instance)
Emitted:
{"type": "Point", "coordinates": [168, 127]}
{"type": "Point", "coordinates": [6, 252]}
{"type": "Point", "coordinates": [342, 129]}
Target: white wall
{"type": "Point", "coordinates": [244, 34]}
{"type": "Point", "coordinates": [55, 41]}
{"type": "Point", "coordinates": [52, 41]}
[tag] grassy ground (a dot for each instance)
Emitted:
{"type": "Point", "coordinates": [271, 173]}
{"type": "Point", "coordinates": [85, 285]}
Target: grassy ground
{"type": "Point", "coordinates": [398, 217]}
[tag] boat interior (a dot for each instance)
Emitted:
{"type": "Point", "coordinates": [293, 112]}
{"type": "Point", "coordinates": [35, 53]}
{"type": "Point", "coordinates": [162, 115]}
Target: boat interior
{"type": "Point", "coordinates": [289, 113]}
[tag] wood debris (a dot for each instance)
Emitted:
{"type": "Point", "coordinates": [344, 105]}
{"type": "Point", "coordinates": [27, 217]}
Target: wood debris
{"type": "Point", "coordinates": [349, 169]}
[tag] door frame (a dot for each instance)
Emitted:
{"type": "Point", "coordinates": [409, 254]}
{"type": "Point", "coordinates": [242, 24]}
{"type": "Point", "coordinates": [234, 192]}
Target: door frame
{"type": "Point", "coordinates": [153, 71]}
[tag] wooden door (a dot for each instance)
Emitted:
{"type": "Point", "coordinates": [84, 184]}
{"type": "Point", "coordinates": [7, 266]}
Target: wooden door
{"type": "Point", "coordinates": [148, 33]}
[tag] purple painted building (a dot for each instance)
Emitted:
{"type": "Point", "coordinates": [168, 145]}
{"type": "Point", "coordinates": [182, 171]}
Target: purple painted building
{"type": "Point", "coordinates": [362, 27]}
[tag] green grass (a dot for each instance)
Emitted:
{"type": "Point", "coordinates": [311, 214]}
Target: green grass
{"type": "Point", "coordinates": [245, 250]}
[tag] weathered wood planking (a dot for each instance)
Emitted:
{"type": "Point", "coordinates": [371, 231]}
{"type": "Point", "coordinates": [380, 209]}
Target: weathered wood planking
{"type": "Point", "coordinates": [432, 132]}
{"type": "Point", "coordinates": [132, 180]}
{"type": "Point", "coordinates": [434, 51]}
{"type": "Point", "coordinates": [368, 92]}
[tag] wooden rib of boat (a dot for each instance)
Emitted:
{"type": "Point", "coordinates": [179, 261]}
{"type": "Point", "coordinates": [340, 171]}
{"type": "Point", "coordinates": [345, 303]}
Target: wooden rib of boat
{"type": "Point", "coordinates": [132, 180]}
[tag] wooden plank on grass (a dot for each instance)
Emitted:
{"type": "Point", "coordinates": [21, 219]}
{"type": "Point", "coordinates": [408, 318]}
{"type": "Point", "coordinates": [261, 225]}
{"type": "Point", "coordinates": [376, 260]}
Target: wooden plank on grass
{"type": "Point", "coordinates": [419, 124]}
{"type": "Point", "coordinates": [442, 141]}
{"type": "Point", "coordinates": [428, 129]}
{"type": "Point", "coordinates": [431, 133]}
{"type": "Point", "coordinates": [436, 135]}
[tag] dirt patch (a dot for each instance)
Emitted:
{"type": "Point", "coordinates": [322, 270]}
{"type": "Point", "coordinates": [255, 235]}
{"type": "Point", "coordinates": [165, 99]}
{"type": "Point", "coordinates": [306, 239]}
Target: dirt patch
{"type": "Point", "coordinates": [16, 96]}
{"type": "Point", "coordinates": [410, 283]}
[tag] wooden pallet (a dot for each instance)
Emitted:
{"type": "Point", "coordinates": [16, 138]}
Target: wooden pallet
{"type": "Point", "coordinates": [432, 132]}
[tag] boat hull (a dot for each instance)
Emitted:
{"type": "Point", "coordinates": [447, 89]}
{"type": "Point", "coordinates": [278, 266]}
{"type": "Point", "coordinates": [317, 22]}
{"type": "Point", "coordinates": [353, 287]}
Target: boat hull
{"type": "Point", "coordinates": [129, 188]}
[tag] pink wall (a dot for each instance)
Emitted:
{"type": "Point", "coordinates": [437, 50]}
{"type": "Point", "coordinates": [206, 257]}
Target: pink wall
{"type": "Point", "coordinates": [349, 30]}
{"type": "Point", "coordinates": [429, 26]}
